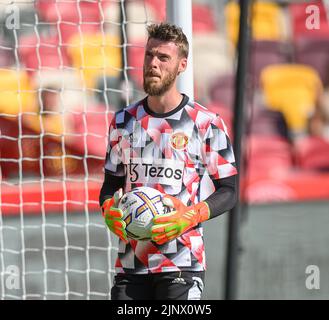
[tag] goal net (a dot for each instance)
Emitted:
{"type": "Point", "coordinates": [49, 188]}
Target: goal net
{"type": "Point", "coordinates": [65, 67]}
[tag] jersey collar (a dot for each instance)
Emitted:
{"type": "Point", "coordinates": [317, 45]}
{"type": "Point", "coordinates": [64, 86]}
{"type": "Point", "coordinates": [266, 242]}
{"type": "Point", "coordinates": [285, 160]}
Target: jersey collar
{"type": "Point", "coordinates": [165, 114]}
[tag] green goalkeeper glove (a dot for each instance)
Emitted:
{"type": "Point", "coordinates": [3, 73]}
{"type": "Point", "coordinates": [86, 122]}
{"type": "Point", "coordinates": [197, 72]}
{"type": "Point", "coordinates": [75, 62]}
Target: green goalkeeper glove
{"type": "Point", "coordinates": [171, 225]}
{"type": "Point", "coordinates": [113, 216]}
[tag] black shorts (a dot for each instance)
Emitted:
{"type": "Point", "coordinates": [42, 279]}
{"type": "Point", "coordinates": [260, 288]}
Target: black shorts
{"type": "Point", "coordinates": [185, 285]}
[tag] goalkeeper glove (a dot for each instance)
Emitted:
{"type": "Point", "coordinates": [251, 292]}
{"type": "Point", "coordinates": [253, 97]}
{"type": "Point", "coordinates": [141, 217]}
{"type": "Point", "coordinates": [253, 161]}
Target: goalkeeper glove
{"type": "Point", "coordinates": [113, 216]}
{"type": "Point", "coordinates": [171, 225]}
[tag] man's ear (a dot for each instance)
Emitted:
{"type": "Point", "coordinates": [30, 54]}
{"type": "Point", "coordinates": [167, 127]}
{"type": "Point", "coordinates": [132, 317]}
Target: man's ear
{"type": "Point", "coordinates": [182, 65]}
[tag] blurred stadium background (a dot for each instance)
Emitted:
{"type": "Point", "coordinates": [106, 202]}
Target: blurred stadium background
{"type": "Point", "coordinates": [66, 66]}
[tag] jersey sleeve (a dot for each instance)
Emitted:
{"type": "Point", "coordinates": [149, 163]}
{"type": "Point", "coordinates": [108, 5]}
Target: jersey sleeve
{"type": "Point", "coordinates": [217, 151]}
{"type": "Point", "coordinates": [114, 156]}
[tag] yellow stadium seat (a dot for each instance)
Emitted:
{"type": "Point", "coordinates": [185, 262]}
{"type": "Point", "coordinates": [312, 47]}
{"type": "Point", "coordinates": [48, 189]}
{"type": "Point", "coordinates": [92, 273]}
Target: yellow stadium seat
{"type": "Point", "coordinates": [232, 14]}
{"type": "Point", "coordinates": [16, 94]}
{"type": "Point", "coordinates": [267, 19]}
{"type": "Point", "coordinates": [292, 89]}
{"type": "Point", "coordinates": [51, 124]}
{"type": "Point", "coordinates": [19, 95]}
{"type": "Point", "coordinates": [95, 55]}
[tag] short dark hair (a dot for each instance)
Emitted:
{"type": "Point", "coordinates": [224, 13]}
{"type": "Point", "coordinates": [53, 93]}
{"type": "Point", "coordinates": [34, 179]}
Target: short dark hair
{"type": "Point", "coordinates": [172, 33]}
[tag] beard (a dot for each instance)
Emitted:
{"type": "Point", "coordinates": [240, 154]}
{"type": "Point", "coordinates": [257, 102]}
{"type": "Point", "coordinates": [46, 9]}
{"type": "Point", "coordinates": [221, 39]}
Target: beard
{"type": "Point", "coordinates": [158, 89]}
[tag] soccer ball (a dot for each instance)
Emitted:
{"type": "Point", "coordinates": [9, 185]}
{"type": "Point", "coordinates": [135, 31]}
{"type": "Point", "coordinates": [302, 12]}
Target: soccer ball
{"type": "Point", "coordinates": [139, 206]}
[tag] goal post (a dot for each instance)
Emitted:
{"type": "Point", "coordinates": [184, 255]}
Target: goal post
{"type": "Point", "coordinates": [180, 13]}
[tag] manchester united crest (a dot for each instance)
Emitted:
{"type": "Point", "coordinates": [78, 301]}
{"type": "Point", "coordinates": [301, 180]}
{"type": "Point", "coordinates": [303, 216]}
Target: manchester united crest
{"type": "Point", "coordinates": [179, 141]}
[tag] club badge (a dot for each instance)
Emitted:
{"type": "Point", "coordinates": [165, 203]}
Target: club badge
{"type": "Point", "coordinates": [179, 141]}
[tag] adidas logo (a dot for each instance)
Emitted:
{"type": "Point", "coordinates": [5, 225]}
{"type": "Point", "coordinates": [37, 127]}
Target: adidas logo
{"type": "Point", "coordinates": [179, 281]}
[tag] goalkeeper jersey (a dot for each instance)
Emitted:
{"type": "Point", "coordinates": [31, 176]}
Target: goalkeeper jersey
{"type": "Point", "coordinates": [180, 153]}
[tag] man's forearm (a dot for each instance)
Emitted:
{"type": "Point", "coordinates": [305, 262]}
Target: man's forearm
{"type": "Point", "coordinates": [110, 185]}
{"type": "Point", "coordinates": [224, 198]}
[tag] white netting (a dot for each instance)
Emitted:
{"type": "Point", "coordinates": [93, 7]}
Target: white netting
{"type": "Point", "coordinates": [65, 66]}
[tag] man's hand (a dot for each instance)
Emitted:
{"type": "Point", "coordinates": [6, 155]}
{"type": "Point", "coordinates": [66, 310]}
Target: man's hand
{"type": "Point", "coordinates": [113, 216]}
{"type": "Point", "coordinates": [171, 225]}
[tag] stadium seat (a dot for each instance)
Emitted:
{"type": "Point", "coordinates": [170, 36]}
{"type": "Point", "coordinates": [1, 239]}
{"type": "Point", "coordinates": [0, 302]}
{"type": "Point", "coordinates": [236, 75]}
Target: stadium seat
{"type": "Point", "coordinates": [42, 6]}
{"type": "Point", "coordinates": [94, 125]}
{"type": "Point", "coordinates": [267, 122]}
{"type": "Point", "coordinates": [268, 155]}
{"type": "Point", "coordinates": [301, 12]}
{"type": "Point", "coordinates": [203, 18]}
{"type": "Point", "coordinates": [292, 89]}
{"type": "Point", "coordinates": [47, 124]}
{"type": "Point", "coordinates": [312, 153]}
{"type": "Point", "coordinates": [65, 94]}
{"type": "Point", "coordinates": [95, 55]}
{"type": "Point", "coordinates": [232, 14]}
{"type": "Point", "coordinates": [12, 148]}
{"type": "Point", "coordinates": [267, 21]}
{"type": "Point", "coordinates": [16, 93]}
{"type": "Point", "coordinates": [37, 54]}
{"type": "Point", "coordinates": [72, 17]}
{"type": "Point", "coordinates": [264, 53]}
{"type": "Point", "coordinates": [314, 52]}
{"type": "Point", "coordinates": [222, 90]}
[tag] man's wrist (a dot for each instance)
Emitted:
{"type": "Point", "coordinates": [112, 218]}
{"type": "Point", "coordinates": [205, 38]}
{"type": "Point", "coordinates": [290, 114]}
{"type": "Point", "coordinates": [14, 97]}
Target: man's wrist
{"type": "Point", "coordinates": [203, 211]}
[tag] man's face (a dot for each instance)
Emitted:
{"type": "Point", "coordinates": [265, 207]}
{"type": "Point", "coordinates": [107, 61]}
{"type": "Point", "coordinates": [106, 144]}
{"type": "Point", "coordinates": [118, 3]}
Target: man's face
{"type": "Point", "coordinates": [162, 64]}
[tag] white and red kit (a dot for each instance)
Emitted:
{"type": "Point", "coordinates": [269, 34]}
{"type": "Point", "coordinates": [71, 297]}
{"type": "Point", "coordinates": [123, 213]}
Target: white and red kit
{"type": "Point", "coordinates": [182, 153]}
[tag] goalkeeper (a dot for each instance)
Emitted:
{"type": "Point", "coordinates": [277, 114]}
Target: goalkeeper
{"type": "Point", "coordinates": [173, 144]}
